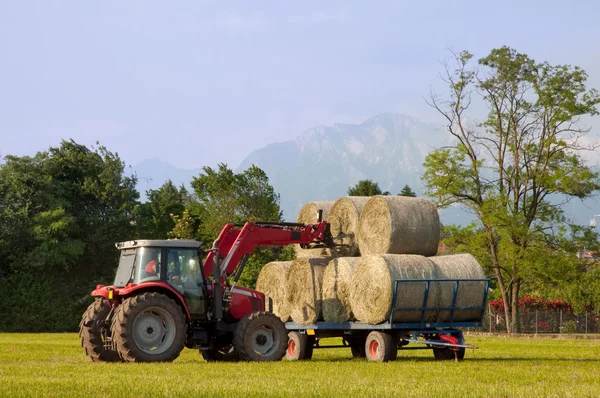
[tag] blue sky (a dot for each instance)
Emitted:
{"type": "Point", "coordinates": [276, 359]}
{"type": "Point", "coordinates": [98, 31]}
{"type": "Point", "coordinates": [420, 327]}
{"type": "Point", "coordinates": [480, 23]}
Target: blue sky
{"type": "Point", "coordinates": [199, 82]}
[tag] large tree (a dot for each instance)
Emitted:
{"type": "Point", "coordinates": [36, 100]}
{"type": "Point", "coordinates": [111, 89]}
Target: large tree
{"type": "Point", "coordinates": [61, 212]}
{"type": "Point", "coordinates": [515, 168]}
{"type": "Point", "coordinates": [154, 218]}
{"type": "Point", "coordinates": [223, 196]}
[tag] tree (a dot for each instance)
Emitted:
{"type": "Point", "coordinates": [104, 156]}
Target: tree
{"type": "Point", "coordinates": [512, 169]}
{"type": "Point", "coordinates": [61, 212]}
{"type": "Point", "coordinates": [226, 197]}
{"type": "Point", "coordinates": [154, 217]}
{"type": "Point", "coordinates": [406, 191]}
{"type": "Point", "coordinates": [366, 188]}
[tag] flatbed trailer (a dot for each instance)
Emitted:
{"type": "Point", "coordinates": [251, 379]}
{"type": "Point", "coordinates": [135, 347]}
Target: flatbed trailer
{"type": "Point", "coordinates": [381, 342]}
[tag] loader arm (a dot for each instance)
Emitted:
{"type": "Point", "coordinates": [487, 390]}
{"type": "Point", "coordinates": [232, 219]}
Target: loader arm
{"type": "Point", "coordinates": [234, 244]}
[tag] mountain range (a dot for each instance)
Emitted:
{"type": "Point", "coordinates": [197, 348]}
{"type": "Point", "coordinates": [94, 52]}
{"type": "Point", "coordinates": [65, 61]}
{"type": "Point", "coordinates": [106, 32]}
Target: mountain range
{"type": "Point", "coordinates": [324, 161]}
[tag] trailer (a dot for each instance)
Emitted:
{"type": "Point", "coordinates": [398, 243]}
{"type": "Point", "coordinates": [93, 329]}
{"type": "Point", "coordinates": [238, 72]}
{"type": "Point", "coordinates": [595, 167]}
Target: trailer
{"type": "Point", "coordinates": [381, 342]}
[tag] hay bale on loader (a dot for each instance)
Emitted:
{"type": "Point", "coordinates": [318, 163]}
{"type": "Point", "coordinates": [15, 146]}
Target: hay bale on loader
{"type": "Point", "coordinates": [309, 215]}
{"type": "Point", "coordinates": [343, 220]}
{"type": "Point", "coordinates": [304, 288]}
{"type": "Point", "coordinates": [336, 289]}
{"type": "Point", "coordinates": [272, 281]}
{"type": "Point", "coordinates": [470, 293]}
{"type": "Point", "coordinates": [399, 225]}
{"type": "Point", "coordinates": [372, 288]}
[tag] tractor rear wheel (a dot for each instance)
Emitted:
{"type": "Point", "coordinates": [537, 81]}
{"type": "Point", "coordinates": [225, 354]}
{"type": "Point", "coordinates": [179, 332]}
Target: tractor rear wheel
{"type": "Point", "coordinates": [221, 354]}
{"type": "Point", "coordinates": [149, 327]}
{"type": "Point", "coordinates": [260, 337]}
{"type": "Point", "coordinates": [93, 331]}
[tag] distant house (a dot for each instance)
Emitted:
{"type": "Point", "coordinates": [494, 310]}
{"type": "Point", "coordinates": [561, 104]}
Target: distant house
{"type": "Point", "coordinates": [584, 254]}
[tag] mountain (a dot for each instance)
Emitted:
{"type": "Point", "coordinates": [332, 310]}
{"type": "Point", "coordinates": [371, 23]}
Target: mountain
{"type": "Point", "coordinates": [323, 162]}
{"type": "Point", "coordinates": [152, 173]}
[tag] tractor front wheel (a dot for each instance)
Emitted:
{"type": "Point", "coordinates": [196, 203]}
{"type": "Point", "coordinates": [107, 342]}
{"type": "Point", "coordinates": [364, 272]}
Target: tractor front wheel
{"type": "Point", "coordinates": [94, 331]}
{"type": "Point", "coordinates": [261, 337]}
{"type": "Point", "coordinates": [149, 327]}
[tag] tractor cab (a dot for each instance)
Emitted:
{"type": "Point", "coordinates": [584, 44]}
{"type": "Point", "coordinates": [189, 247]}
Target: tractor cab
{"type": "Point", "coordinates": [175, 262]}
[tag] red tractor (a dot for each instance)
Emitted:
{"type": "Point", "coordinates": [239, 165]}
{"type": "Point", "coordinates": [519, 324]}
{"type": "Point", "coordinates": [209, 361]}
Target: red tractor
{"type": "Point", "coordinates": [162, 299]}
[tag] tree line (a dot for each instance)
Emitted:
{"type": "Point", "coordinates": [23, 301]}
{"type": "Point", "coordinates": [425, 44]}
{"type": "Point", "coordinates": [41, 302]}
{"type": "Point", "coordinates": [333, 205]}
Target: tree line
{"type": "Point", "coordinates": [62, 210]}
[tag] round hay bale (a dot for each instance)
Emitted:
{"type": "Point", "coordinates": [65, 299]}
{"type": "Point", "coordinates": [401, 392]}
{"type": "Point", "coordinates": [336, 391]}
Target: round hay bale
{"type": "Point", "coordinates": [372, 288]}
{"type": "Point", "coordinates": [399, 224]}
{"type": "Point", "coordinates": [304, 288]}
{"type": "Point", "coordinates": [470, 293]}
{"type": "Point", "coordinates": [309, 214]}
{"type": "Point", "coordinates": [336, 289]}
{"type": "Point", "coordinates": [272, 281]}
{"type": "Point", "coordinates": [343, 220]}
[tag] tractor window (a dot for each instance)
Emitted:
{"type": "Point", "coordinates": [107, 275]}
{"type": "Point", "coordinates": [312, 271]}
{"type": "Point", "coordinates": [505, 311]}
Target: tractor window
{"type": "Point", "coordinates": [184, 274]}
{"type": "Point", "coordinates": [126, 263]}
{"type": "Point", "coordinates": [147, 264]}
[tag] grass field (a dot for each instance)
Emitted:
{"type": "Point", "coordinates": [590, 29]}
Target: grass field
{"type": "Point", "coordinates": [55, 365]}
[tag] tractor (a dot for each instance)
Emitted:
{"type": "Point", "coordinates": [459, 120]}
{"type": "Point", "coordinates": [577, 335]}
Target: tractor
{"type": "Point", "coordinates": [164, 299]}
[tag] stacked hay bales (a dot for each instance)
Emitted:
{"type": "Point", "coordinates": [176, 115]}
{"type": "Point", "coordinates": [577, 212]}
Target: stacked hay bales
{"type": "Point", "coordinates": [398, 238]}
{"type": "Point", "coordinates": [304, 289]}
{"type": "Point", "coordinates": [309, 214]}
{"type": "Point", "coordinates": [272, 281]}
{"type": "Point", "coordinates": [343, 220]}
{"type": "Point", "coordinates": [336, 289]}
{"type": "Point", "coordinates": [399, 225]}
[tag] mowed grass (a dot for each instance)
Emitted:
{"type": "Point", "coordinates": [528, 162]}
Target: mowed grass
{"type": "Point", "coordinates": [55, 365]}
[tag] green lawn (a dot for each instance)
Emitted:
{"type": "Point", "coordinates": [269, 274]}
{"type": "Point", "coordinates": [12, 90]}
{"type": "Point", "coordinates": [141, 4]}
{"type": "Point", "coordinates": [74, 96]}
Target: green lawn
{"type": "Point", "coordinates": [55, 365]}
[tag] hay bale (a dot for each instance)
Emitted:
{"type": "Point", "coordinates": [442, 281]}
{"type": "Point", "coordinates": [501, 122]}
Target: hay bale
{"type": "Point", "coordinates": [336, 289]}
{"type": "Point", "coordinates": [309, 215]}
{"type": "Point", "coordinates": [470, 293]}
{"type": "Point", "coordinates": [372, 288]}
{"type": "Point", "coordinates": [304, 288]}
{"type": "Point", "coordinates": [272, 281]}
{"type": "Point", "coordinates": [343, 220]}
{"type": "Point", "coordinates": [399, 224]}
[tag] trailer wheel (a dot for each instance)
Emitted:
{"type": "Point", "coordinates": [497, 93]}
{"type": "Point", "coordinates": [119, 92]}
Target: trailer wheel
{"type": "Point", "coordinates": [300, 346]}
{"type": "Point", "coordinates": [357, 346]}
{"type": "Point", "coordinates": [221, 354]}
{"type": "Point", "coordinates": [93, 331]}
{"type": "Point", "coordinates": [447, 353]}
{"type": "Point", "coordinates": [380, 347]}
{"type": "Point", "coordinates": [261, 337]}
{"type": "Point", "coordinates": [149, 327]}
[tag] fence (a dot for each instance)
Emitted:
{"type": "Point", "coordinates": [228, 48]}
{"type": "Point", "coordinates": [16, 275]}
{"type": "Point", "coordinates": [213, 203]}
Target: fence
{"type": "Point", "coordinates": [545, 321]}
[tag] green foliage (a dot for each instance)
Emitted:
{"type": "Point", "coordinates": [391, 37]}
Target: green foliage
{"type": "Point", "coordinates": [223, 197]}
{"type": "Point", "coordinates": [406, 191]}
{"type": "Point", "coordinates": [510, 169]}
{"type": "Point", "coordinates": [61, 212]}
{"type": "Point", "coordinates": [366, 188]}
{"type": "Point", "coordinates": [154, 218]}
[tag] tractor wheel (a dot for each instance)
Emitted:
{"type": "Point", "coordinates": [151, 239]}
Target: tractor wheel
{"type": "Point", "coordinates": [380, 347]}
{"type": "Point", "coordinates": [357, 346]}
{"type": "Point", "coordinates": [260, 336]}
{"type": "Point", "coordinates": [300, 346]}
{"type": "Point", "coordinates": [93, 331]}
{"type": "Point", "coordinates": [149, 327]}
{"type": "Point", "coordinates": [222, 354]}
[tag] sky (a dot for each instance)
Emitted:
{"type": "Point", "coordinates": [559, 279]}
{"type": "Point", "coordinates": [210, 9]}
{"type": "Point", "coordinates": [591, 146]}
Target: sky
{"type": "Point", "coordinates": [199, 82]}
